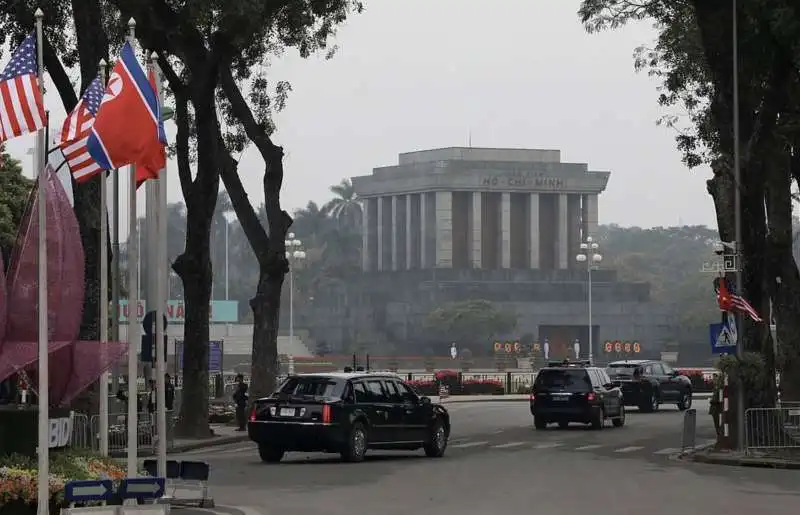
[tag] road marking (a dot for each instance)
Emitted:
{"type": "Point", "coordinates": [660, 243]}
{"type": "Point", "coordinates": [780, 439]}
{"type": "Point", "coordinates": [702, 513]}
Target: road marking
{"type": "Point", "coordinates": [668, 450]}
{"type": "Point", "coordinates": [547, 445]}
{"type": "Point", "coordinates": [508, 445]}
{"type": "Point", "coordinates": [469, 444]}
{"type": "Point", "coordinates": [629, 449]}
{"type": "Point", "coordinates": [588, 447]}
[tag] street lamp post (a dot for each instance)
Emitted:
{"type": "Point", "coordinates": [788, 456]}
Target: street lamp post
{"type": "Point", "coordinates": [589, 254]}
{"type": "Point", "coordinates": [294, 253]}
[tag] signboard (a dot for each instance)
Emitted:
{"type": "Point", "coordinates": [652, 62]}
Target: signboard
{"type": "Point", "coordinates": [222, 311]}
{"type": "Point", "coordinates": [61, 431]}
{"type": "Point", "coordinates": [723, 336]}
{"type": "Point", "coordinates": [215, 355]}
{"type": "Point", "coordinates": [141, 488]}
{"type": "Point", "coordinates": [621, 347]}
{"type": "Point", "coordinates": [530, 180]}
{"type": "Point", "coordinates": [91, 490]}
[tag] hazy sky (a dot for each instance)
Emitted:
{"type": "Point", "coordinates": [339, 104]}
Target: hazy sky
{"type": "Point", "coordinates": [417, 74]}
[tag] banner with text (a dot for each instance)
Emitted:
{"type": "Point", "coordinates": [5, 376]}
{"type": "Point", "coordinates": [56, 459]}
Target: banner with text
{"type": "Point", "coordinates": [222, 311]}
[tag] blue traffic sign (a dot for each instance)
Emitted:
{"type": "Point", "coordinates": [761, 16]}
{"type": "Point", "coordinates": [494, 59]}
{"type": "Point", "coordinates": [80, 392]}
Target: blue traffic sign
{"type": "Point", "coordinates": [723, 336]}
{"type": "Point", "coordinates": [93, 490]}
{"type": "Point", "coordinates": [141, 488]}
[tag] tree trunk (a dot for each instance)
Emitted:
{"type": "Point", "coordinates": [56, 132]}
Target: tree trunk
{"type": "Point", "coordinates": [194, 265]}
{"type": "Point", "coordinates": [266, 307]}
{"type": "Point", "coordinates": [782, 278]}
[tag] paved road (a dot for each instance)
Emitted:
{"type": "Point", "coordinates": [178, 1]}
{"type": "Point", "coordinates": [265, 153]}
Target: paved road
{"type": "Point", "coordinates": [491, 432]}
{"type": "Point", "coordinates": [524, 481]}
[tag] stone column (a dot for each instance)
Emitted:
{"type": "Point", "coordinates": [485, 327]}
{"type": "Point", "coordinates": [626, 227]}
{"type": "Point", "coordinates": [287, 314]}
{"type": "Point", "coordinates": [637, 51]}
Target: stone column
{"type": "Point", "coordinates": [591, 215]}
{"type": "Point", "coordinates": [444, 229]}
{"type": "Point", "coordinates": [395, 243]}
{"type": "Point", "coordinates": [366, 242]}
{"type": "Point", "coordinates": [423, 232]}
{"type": "Point", "coordinates": [409, 234]}
{"type": "Point", "coordinates": [533, 230]}
{"type": "Point", "coordinates": [505, 230]}
{"type": "Point", "coordinates": [380, 235]}
{"type": "Point", "coordinates": [562, 234]}
{"type": "Point", "coordinates": [475, 230]}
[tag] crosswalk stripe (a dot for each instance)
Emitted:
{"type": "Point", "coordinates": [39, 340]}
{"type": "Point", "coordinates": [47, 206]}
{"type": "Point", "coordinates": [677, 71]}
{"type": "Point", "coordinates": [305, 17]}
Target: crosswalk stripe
{"type": "Point", "coordinates": [547, 445]}
{"type": "Point", "coordinates": [469, 444]}
{"type": "Point", "coordinates": [508, 445]}
{"type": "Point", "coordinates": [588, 447]}
{"type": "Point", "coordinates": [668, 450]}
{"type": "Point", "coordinates": [629, 449]}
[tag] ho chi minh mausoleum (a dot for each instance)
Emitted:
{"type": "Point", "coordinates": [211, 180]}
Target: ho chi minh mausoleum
{"type": "Point", "coordinates": [504, 225]}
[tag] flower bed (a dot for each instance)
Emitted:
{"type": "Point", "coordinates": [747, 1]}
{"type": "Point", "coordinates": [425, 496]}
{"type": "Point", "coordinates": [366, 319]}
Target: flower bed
{"type": "Point", "coordinates": [702, 378]}
{"type": "Point", "coordinates": [467, 387]}
{"type": "Point", "coordinates": [19, 481]}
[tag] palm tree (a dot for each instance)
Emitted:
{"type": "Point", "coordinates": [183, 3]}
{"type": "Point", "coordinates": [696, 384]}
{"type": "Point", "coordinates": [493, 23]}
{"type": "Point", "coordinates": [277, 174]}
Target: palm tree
{"type": "Point", "coordinates": [345, 207]}
{"type": "Point", "coordinates": [311, 224]}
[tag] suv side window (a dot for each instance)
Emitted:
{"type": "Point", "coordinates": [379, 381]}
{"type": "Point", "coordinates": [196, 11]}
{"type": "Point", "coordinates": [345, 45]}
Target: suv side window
{"type": "Point", "coordinates": [667, 369]}
{"type": "Point", "coordinates": [394, 395]}
{"type": "Point", "coordinates": [592, 377]}
{"type": "Point", "coordinates": [376, 391]}
{"type": "Point", "coordinates": [604, 379]}
{"type": "Point", "coordinates": [647, 370]}
{"type": "Point", "coordinates": [348, 397]}
{"type": "Point", "coordinates": [657, 370]}
{"type": "Point", "coordinates": [361, 393]}
{"type": "Point", "coordinates": [406, 394]}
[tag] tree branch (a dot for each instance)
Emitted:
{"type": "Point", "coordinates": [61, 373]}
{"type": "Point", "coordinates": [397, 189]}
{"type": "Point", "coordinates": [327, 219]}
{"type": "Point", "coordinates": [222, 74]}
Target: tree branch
{"type": "Point", "coordinates": [242, 206]}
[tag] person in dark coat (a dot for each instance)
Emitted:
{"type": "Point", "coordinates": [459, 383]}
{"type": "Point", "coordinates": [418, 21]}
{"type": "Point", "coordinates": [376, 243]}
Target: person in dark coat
{"type": "Point", "coordinates": [169, 392]}
{"type": "Point", "coordinates": [240, 398]}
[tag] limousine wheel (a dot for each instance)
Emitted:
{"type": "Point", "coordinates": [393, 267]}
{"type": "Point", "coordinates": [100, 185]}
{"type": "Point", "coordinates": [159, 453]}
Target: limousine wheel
{"type": "Point", "coordinates": [437, 443]}
{"type": "Point", "coordinates": [270, 454]}
{"type": "Point", "coordinates": [356, 444]}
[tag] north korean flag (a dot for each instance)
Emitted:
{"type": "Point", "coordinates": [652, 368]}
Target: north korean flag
{"type": "Point", "coordinates": [128, 128]}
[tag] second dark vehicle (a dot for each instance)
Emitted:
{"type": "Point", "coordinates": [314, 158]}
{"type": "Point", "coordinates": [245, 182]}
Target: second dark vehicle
{"type": "Point", "coordinates": [347, 413]}
{"type": "Point", "coordinates": [649, 383]}
{"type": "Point", "coordinates": [565, 392]}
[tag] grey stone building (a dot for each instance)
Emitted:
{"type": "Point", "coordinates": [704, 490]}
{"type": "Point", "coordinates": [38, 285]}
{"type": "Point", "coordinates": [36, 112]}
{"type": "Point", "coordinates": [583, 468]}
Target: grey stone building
{"type": "Point", "coordinates": [503, 225]}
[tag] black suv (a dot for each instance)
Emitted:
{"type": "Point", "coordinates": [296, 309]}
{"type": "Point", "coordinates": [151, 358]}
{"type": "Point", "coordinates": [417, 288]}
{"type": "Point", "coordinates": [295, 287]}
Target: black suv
{"type": "Point", "coordinates": [565, 392]}
{"type": "Point", "coordinates": [650, 383]}
{"type": "Point", "coordinates": [347, 413]}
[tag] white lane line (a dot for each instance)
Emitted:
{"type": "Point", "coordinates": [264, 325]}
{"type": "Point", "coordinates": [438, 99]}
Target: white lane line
{"type": "Point", "coordinates": [508, 445]}
{"type": "Point", "coordinates": [469, 444]}
{"type": "Point", "coordinates": [668, 450]}
{"type": "Point", "coordinates": [588, 447]}
{"type": "Point", "coordinates": [629, 449]}
{"type": "Point", "coordinates": [547, 445]}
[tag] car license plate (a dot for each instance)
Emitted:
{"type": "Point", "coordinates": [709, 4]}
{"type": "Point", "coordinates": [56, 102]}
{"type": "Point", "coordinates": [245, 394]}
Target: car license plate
{"type": "Point", "coordinates": [287, 412]}
{"type": "Point", "coordinates": [561, 398]}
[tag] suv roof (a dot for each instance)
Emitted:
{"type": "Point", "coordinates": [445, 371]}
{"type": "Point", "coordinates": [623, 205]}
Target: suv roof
{"type": "Point", "coordinates": [350, 375]}
{"type": "Point", "coordinates": [633, 362]}
{"type": "Point", "coordinates": [570, 364]}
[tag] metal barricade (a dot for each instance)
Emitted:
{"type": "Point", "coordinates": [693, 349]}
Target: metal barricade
{"type": "Point", "coordinates": [772, 431]}
{"type": "Point", "coordinates": [146, 433]}
{"type": "Point", "coordinates": [81, 432]}
{"type": "Point", "coordinates": [689, 439]}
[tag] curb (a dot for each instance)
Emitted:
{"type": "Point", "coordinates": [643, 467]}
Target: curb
{"type": "Point", "coordinates": [190, 446]}
{"type": "Point", "coordinates": [746, 462]}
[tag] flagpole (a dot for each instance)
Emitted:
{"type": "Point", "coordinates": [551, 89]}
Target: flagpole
{"type": "Point", "coordinates": [43, 487]}
{"type": "Point", "coordinates": [160, 272]}
{"type": "Point", "coordinates": [103, 244]}
{"type": "Point", "coordinates": [133, 307]}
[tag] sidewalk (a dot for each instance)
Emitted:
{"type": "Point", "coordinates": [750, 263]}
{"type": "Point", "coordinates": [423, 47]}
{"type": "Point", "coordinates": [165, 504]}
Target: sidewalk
{"type": "Point", "coordinates": [739, 459]}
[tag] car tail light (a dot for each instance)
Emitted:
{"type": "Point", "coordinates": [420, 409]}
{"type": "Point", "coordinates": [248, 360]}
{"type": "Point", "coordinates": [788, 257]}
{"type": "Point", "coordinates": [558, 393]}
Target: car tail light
{"type": "Point", "coordinates": [326, 414]}
{"type": "Point", "coordinates": [253, 415]}
{"type": "Point", "coordinates": [590, 396]}
{"type": "Point", "coordinates": [533, 397]}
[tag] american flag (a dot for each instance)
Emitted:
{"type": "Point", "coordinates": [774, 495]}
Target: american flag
{"type": "Point", "coordinates": [742, 306]}
{"type": "Point", "coordinates": [729, 301]}
{"type": "Point", "coordinates": [75, 133]}
{"type": "Point", "coordinates": [22, 107]}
